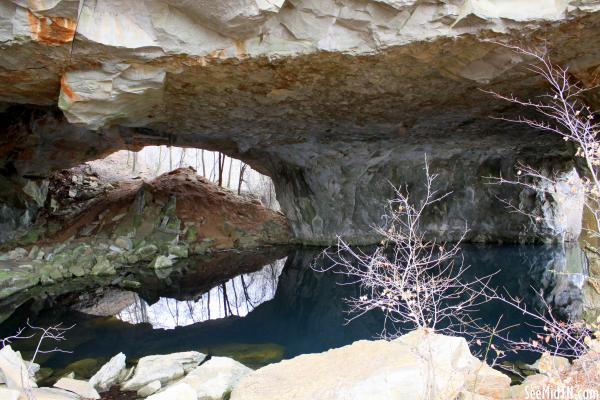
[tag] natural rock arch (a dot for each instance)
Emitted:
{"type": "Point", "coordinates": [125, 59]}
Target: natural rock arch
{"type": "Point", "coordinates": [333, 100]}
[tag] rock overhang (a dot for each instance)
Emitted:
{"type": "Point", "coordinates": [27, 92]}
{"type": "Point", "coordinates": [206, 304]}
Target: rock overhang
{"type": "Point", "coordinates": [326, 97]}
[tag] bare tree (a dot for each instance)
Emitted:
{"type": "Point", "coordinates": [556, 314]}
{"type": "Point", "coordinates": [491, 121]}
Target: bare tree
{"type": "Point", "coordinates": [159, 161]}
{"type": "Point", "coordinates": [54, 333]}
{"type": "Point", "coordinates": [134, 164]}
{"type": "Point", "coordinates": [229, 172]}
{"type": "Point", "coordinates": [551, 334]}
{"type": "Point", "coordinates": [243, 167]}
{"type": "Point", "coordinates": [415, 282]}
{"type": "Point", "coordinates": [563, 112]}
{"type": "Point", "coordinates": [181, 158]}
{"type": "Point", "coordinates": [221, 167]}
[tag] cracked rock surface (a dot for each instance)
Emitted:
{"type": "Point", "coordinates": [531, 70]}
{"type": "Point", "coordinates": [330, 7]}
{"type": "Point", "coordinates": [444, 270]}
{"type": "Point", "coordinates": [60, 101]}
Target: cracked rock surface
{"type": "Point", "coordinates": [334, 99]}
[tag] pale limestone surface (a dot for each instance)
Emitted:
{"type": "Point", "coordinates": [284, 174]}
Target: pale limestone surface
{"type": "Point", "coordinates": [79, 387]}
{"type": "Point", "coordinates": [419, 365]}
{"type": "Point", "coordinates": [9, 394]}
{"type": "Point", "coordinates": [179, 391]}
{"type": "Point", "coordinates": [14, 370]}
{"type": "Point", "coordinates": [149, 389]}
{"type": "Point", "coordinates": [216, 377]}
{"type": "Point", "coordinates": [54, 394]}
{"type": "Point", "coordinates": [109, 373]}
{"type": "Point", "coordinates": [163, 368]}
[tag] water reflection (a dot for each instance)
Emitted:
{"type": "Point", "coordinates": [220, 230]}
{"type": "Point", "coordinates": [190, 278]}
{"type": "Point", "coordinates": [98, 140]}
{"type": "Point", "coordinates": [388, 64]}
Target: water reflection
{"type": "Point", "coordinates": [235, 297]}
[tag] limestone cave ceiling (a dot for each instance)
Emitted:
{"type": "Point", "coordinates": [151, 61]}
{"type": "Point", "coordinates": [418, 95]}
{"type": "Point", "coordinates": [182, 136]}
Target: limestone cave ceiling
{"type": "Point", "coordinates": [291, 86]}
{"type": "Point", "coordinates": [244, 74]}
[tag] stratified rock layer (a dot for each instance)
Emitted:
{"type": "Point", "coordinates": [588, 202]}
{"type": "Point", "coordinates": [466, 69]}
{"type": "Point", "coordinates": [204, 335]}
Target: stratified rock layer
{"type": "Point", "coordinates": [334, 100]}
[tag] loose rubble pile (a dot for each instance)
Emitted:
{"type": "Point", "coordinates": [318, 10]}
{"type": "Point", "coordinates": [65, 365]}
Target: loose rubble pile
{"type": "Point", "coordinates": [72, 190]}
{"type": "Point", "coordinates": [148, 224]}
{"type": "Point", "coordinates": [419, 365]}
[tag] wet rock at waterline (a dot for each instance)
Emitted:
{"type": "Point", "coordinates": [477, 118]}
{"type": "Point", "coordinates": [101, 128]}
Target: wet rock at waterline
{"type": "Point", "coordinates": [332, 99]}
{"type": "Point", "coordinates": [419, 365]}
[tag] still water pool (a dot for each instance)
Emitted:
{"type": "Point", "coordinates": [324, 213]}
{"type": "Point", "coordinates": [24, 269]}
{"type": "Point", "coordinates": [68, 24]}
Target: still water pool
{"type": "Point", "coordinates": [261, 307]}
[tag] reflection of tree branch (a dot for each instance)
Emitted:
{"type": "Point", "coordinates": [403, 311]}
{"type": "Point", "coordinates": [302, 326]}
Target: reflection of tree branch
{"type": "Point", "coordinates": [190, 306]}
{"type": "Point", "coordinates": [246, 295]}
{"type": "Point", "coordinates": [226, 305]}
{"type": "Point", "coordinates": [208, 308]}
{"type": "Point", "coordinates": [237, 304]}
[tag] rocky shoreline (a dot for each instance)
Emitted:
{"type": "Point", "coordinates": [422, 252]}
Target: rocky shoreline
{"type": "Point", "coordinates": [418, 365]}
{"type": "Point", "coordinates": [146, 224]}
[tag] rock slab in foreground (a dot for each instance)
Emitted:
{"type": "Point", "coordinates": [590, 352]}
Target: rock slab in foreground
{"type": "Point", "coordinates": [163, 368]}
{"type": "Point", "coordinates": [179, 391]}
{"type": "Point", "coordinates": [79, 387]}
{"type": "Point", "coordinates": [9, 394]}
{"type": "Point", "coordinates": [53, 394]}
{"type": "Point", "coordinates": [216, 377]}
{"type": "Point", "coordinates": [373, 370]}
{"type": "Point", "coordinates": [109, 374]}
{"type": "Point", "coordinates": [14, 370]}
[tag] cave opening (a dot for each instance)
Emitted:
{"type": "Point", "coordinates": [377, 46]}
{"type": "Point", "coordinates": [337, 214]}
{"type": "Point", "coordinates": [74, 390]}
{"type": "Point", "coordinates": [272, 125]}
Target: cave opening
{"type": "Point", "coordinates": [224, 171]}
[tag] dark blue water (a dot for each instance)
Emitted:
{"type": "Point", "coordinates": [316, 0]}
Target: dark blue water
{"type": "Point", "coordinates": [260, 308]}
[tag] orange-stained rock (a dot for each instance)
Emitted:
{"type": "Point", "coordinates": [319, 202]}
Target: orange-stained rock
{"type": "Point", "coordinates": [51, 30]}
{"type": "Point", "coordinates": [66, 89]}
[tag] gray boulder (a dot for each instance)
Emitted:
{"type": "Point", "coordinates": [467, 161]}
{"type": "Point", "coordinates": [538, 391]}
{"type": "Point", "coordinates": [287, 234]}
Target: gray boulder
{"type": "Point", "coordinates": [109, 374]}
{"type": "Point", "coordinates": [163, 368]}
{"type": "Point", "coordinates": [216, 377]}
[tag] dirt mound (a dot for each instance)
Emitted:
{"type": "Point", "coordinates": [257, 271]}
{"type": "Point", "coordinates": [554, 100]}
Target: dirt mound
{"type": "Point", "coordinates": [177, 206]}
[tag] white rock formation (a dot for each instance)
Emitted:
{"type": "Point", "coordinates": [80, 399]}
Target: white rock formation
{"type": "Point", "coordinates": [419, 365]}
{"type": "Point", "coordinates": [122, 35]}
{"type": "Point", "coordinates": [109, 374]}
{"type": "Point", "coordinates": [79, 387]}
{"type": "Point", "coordinates": [216, 377]}
{"type": "Point", "coordinates": [54, 394]}
{"type": "Point", "coordinates": [163, 368]}
{"type": "Point", "coordinates": [9, 394]}
{"type": "Point", "coordinates": [14, 370]}
{"type": "Point", "coordinates": [123, 94]}
{"type": "Point", "coordinates": [179, 391]}
{"type": "Point", "coordinates": [149, 389]}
